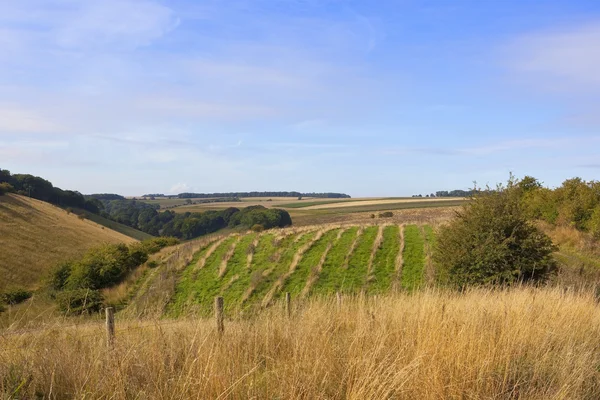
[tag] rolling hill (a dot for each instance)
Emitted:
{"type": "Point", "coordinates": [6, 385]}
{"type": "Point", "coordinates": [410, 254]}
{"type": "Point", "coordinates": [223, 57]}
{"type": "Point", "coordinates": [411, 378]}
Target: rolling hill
{"type": "Point", "coordinates": [253, 270]}
{"type": "Point", "coordinates": [35, 235]}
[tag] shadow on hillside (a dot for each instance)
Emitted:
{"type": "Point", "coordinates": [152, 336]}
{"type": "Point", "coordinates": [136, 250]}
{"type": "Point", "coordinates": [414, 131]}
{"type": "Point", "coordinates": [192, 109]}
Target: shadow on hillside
{"type": "Point", "coordinates": [10, 212]}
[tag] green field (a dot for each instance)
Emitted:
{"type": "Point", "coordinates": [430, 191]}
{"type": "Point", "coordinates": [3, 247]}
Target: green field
{"type": "Point", "coordinates": [414, 258]}
{"type": "Point", "coordinates": [253, 270]}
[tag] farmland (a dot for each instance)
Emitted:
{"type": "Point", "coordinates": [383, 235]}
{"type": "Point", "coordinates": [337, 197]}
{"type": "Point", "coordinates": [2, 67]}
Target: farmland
{"type": "Point", "coordinates": [253, 270]}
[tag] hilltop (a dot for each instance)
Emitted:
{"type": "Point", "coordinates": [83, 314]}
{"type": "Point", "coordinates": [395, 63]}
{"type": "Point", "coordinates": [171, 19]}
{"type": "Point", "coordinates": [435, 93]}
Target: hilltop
{"type": "Point", "coordinates": [34, 235]}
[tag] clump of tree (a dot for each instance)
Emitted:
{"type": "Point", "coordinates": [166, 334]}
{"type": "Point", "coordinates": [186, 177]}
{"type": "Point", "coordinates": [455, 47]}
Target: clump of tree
{"type": "Point", "coordinates": [575, 203]}
{"type": "Point", "coordinates": [453, 193]}
{"type": "Point", "coordinates": [148, 218]}
{"type": "Point", "coordinates": [75, 283]}
{"type": "Point", "coordinates": [259, 215]}
{"type": "Point", "coordinates": [41, 189]}
{"type": "Point", "coordinates": [6, 187]}
{"type": "Point", "coordinates": [492, 240]}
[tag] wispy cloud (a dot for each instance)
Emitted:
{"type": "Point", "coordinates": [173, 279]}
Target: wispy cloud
{"type": "Point", "coordinates": [565, 59]}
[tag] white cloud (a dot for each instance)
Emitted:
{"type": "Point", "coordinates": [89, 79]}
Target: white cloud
{"type": "Point", "coordinates": [14, 119]}
{"type": "Point", "coordinates": [180, 187]}
{"type": "Point", "coordinates": [567, 59]}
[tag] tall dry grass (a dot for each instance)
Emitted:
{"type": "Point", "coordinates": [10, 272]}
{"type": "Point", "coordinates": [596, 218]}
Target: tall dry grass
{"type": "Point", "coordinates": [512, 344]}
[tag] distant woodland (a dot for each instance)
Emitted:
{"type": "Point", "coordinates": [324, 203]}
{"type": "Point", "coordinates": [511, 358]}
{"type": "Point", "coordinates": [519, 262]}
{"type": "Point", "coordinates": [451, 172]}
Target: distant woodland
{"type": "Point", "coordinates": [142, 216]}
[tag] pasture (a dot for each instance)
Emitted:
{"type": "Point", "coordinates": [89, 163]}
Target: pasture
{"type": "Point", "coordinates": [34, 235]}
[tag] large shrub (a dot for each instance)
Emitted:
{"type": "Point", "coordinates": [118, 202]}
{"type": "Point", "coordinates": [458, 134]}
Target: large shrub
{"type": "Point", "coordinates": [492, 241]}
{"type": "Point", "coordinates": [15, 296]}
{"type": "Point", "coordinates": [6, 187]}
{"type": "Point", "coordinates": [79, 301]}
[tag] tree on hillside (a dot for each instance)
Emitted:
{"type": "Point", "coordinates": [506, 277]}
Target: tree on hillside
{"type": "Point", "coordinates": [491, 241]}
{"type": "Point", "coordinates": [6, 187]}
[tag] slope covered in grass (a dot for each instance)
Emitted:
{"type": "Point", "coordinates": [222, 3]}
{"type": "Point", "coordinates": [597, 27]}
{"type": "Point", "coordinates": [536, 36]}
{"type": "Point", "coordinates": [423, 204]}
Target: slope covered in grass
{"type": "Point", "coordinates": [414, 258]}
{"type": "Point", "coordinates": [35, 235]}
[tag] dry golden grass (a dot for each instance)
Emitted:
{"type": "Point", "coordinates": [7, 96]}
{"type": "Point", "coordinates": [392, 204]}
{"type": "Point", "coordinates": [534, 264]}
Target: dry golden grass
{"type": "Point", "coordinates": [431, 216]}
{"type": "Point", "coordinates": [362, 202]}
{"type": "Point", "coordinates": [514, 344]}
{"type": "Point", "coordinates": [35, 235]}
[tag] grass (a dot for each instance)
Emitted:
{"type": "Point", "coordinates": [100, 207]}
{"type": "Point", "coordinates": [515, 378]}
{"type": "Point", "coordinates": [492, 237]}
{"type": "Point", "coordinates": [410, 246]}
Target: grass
{"type": "Point", "coordinates": [395, 206]}
{"type": "Point", "coordinates": [279, 265]}
{"type": "Point", "coordinates": [414, 258]}
{"type": "Point", "coordinates": [355, 275]}
{"type": "Point", "coordinates": [198, 286]}
{"type": "Point", "coordinates": [297, 281]}
{"type": "Point", "coordinates": [384, 265]}
{"type": "Point", "coordinates": [482, 344]}
{"type": "Point", "coordinates": [35, 235]}
{"type": "Point", "coordinates": [333, 269]}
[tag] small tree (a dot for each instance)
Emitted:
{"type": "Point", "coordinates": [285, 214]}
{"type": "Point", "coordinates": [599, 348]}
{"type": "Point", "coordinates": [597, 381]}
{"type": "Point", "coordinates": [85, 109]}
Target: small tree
{"type": "Point", "coordinates": [6, 187]}
{"type": "Point", "coordinates": [492, 241]}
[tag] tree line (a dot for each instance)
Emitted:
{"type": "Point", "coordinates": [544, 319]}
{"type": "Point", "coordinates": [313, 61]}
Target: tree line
{"type": "Point", "coordinates": [263, 194]}
{"type": "Point", "coordinates": [41, 189]}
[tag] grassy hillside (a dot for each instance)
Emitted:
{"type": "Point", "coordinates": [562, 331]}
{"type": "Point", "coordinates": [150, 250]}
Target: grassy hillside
{"type": "Point", "coordinates": [253, 270]}
{"type": "Point", "coordinates": [35, 235]}
{"type": "Point", "coordinates": [115, 226]}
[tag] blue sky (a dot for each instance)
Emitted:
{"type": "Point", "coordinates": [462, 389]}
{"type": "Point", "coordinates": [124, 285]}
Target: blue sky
{"type": "Point", "coordinates": [370, 98]}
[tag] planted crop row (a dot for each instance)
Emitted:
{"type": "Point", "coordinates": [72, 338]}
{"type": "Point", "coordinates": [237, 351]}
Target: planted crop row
{"type": "Point", "coordinates": [253, 270]}
{"type": "Point", "coordinates": [384, 265]}
{"type": "Point", "coordinates": [195, 285]}
{"type": "Point", "coordinates": [355, 275]}
{"type": "Point", "coordinates": [413, 257]}
{"type": "Point", "coordinates": [297, 281]}
{"type": "Point", "coordinates": [333, 268]}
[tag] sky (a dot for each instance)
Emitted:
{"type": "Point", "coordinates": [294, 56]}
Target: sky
{"type": "Point", "coordinates": [369, 98]}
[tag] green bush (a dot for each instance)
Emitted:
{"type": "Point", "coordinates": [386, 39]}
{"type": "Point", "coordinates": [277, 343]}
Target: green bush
{"type": "Point", "coordinates": [6, 187]}
{"type": "Point", "coordinates": [152, 264]}
{"type": "Point", "coordinates": [102, 266]}
{"type": "Point", "coordinates": [257, 228]}
{"type": "Point", "coordinates": [79, 301]}
{"type": "Point", "coordinates": [154, 245]}
{"type": "Point", "coordinates": [491, 241]}
{"type": "Point", "coordinates": [15, 296]}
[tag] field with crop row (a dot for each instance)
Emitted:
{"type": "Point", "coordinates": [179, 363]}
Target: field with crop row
{"type": "Point", "coordinates": [253, 270]}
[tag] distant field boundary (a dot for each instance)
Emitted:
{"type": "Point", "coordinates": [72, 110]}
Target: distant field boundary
{"type": "Point", "coordinates": [385, 207]}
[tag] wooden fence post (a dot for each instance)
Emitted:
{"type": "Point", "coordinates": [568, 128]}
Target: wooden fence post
{"type": "Point", "coordinates": [110, 326]}
{"type": "Point", "coordinates": [219, 306]}
{"type": "Point", "coordinates": [288, 304]}
{"type": "Point", "coordinates": [338, 295]}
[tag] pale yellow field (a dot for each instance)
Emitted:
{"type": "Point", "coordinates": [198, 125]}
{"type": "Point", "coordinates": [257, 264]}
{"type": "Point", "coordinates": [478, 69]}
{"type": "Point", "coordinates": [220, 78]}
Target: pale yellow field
{"type": "Point", "coordinates": [35, 235]}
{"type": "Point", "coordinates": [359, 202]}
{"type": "Point", "coordinates": [522, 343]}
{"type": "Point", "coordinates": [246, 202]}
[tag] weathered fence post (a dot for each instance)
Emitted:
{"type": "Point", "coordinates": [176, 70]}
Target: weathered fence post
{"type": "Point", "coordinates": [110, 326]}
{"type": "Point", "coordinates": [219, 305]}
{"type": "Point", "coordinates": [338, 295]}
{"type": "Point", "coordinates": [288, 304]}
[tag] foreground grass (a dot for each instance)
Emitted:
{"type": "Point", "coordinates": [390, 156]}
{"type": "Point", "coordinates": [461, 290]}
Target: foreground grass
{"type": "Point", "coordinates": [520, 343]}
